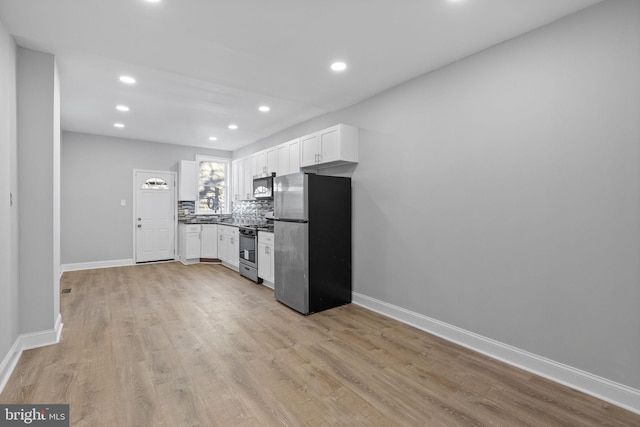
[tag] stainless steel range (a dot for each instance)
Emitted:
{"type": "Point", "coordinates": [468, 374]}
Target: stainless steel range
{"type": "Point", "coordinates": [248, 247]}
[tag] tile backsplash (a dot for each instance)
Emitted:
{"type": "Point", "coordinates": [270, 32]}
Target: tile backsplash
{"type": "Point", "coordinates": [244, 211]}
{"type": "Point", "coordinates": [251, 210]}
{"type": "Point", "coordinates": [186, 210]}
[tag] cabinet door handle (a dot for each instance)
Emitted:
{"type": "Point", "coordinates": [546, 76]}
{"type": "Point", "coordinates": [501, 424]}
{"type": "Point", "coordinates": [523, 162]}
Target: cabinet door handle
{"type": "Point", "coordinates": [267, 250]}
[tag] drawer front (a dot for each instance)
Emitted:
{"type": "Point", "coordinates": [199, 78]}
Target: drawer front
{"type": "Point", "coordinates": [265, 237]}
{"type": "Point", "coordinates": [228, 230]}
{"type": "Point", "coordinates": [192, 228]}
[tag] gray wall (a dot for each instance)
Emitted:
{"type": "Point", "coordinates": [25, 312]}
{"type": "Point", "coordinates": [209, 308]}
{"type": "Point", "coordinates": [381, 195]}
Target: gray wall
{"type": "Point", "coordinates": [97, 172]}
{"type": "Point", "coordinates": [9, 327]}
{"type": "Point", "coordinates": [38, 184]}
{"type": "Point", "coordinates": [500, 194]}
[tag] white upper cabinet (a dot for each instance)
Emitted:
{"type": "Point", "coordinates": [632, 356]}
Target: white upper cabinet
{"type": "Point", "coordinates": [187, 180]}
{"type": "Point", "coordinates": [294, 156]}
{"type": "Point", "coordinates": [330, 147]}
{"type": "Point", "coordinates": [272, 161]}
{"type": "Point", "coordinates": [283, 159]}
{"type": "Point", "coordinates": [309, 150]}
{"type": "Point", "coordinates": [237, 183]}
{"type": "Point", "coordinates": [242, 178]}
{"type": "Point", "coordinates": [247, 178]}
{"type": "Point", "coordinates": [264, 163]}
{"type": "Point", "coordinates": [257, 160]}
{"type": "Point", "coordinates": [288, 155]}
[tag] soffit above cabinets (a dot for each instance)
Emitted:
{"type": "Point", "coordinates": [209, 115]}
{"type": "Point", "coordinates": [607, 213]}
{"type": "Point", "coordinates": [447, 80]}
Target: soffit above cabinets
{"type": "Point", "coordinates": [201, 65]}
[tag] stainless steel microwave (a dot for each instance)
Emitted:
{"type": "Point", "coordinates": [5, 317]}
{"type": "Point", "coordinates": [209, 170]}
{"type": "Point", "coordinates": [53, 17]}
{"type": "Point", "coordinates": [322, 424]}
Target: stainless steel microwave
{"type": "Point", "coordinates": [263, 187]}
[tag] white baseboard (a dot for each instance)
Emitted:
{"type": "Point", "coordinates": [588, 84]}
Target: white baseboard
{"type": "Point", "coordinates": [42, 338]}
{"type": "Point", "coordinates": [618, 394]}
{"type": "Point", "coordinates": [27, 342]}
{"type": "Point", "coordinates": [96, 264]}
{"type": "Point", "coordinates": [9, 363]}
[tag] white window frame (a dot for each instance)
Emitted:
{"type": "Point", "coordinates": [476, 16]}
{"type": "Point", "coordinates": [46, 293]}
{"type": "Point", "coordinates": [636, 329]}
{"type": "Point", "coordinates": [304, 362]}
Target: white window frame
{"type": "Point", "coordinates": [227, 188]}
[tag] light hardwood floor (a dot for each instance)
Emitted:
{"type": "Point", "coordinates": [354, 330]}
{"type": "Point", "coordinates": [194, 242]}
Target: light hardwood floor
{"type": "Point", "coordinates": [174, 345]}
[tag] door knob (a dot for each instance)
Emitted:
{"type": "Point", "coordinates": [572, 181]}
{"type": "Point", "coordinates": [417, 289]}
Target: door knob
{"type": "Point", "coordinates": [139, 225]}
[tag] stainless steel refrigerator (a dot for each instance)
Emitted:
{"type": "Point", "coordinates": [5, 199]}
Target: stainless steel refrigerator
{"type": "Point", "coordinates": [312, 226]}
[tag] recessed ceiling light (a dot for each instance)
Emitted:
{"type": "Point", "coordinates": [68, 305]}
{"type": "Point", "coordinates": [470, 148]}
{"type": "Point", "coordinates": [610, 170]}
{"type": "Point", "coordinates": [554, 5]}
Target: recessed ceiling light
{"type": "Point", "coordinates": [213, 138]}
{"type": "Point", "coordinates": [123, 108]}
{"type": "Point", "coordinates": [338, 66]}
{"type": "Point", "coordinates": [152, 1]}
{"type": "Point", "coordinates": [127, 79]}
{"type": "Point", "coordinates": [118, 125]}
{"type": "Point", "coordinates": [233, 127]}
{"type": "Point", "coordinates": [264, 108]}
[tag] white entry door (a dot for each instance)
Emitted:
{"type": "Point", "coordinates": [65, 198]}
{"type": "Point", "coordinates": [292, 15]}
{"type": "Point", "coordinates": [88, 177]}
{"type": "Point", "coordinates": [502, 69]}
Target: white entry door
{"type": "Point", "coordinates": [154, 221]}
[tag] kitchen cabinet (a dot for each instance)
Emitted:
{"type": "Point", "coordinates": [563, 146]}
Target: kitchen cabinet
{"type": "Point", "coordinates": [309, 150]}
{"type": "Point", "coordinates": [241, 179]}
{"type": "Point", "coordinates": [228, 246]}
{"type": "Point", "coordinates": [272, 161]}
{"type": "Point", "coordinates": [189, 243]}
{"type": "Point", "coordinates": [233, 253]}
{"type": "Point", "coordinates": [209, 241]}
{"type": "Point", "coordinates": [223, 244]}
{"type": "Point", "coordinates": [255, 164]}
{"type": "Point", "coordinates": [283, 159]}
{"type": "Point", "coordinates": [187, 180]}
{"type": "Point", "coordinates": [263, 163]}
{"type": "Point", "coordinates": [247, 177]}
{"type": "Point", "coordinates": [237, 184]}
{"type": "Point", "coordinates": [329, 147]}
{"type": "Point", "coordinates": [288, 157]}
{"type": "Point", "coordinates": [266, 264]}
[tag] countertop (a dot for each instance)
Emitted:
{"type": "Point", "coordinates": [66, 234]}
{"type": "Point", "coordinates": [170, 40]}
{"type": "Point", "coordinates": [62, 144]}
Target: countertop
{"type": "Point", "coordinates": [203, 222]}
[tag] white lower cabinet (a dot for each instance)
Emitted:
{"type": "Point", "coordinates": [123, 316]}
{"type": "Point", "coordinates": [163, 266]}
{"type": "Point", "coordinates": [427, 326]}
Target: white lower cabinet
{"type": "Point", "coordinates": [209, 241]}
{"type": "Point", "coordinates": [266, 265]}
{"type": "Point", "coordinates": [234, 249]}
{"type": "Point", "coordinates": [189, 245]}
{"type": "Point", "coordinates": [228, 245]}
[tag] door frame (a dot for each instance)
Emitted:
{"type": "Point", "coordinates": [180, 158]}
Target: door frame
{"type": "Point", "coordinates": [174, 175]}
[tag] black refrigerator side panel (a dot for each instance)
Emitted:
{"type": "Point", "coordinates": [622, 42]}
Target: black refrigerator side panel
{"type": "Point", "coordinates": [330, 272]}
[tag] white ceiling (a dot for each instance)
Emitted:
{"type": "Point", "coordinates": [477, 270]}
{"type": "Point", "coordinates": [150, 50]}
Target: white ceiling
{"type": "Point", "coordinates": [202, 64]}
